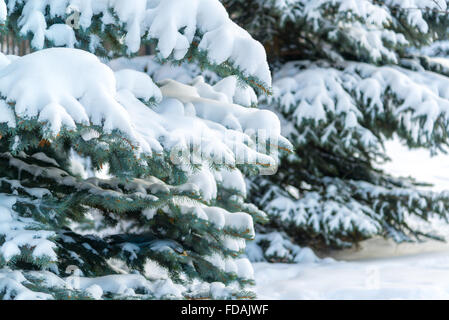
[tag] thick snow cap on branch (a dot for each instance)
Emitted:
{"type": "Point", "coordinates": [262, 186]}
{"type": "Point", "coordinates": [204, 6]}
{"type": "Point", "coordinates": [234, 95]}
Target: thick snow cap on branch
{"type": "Point", "coordinates": [230, 89]}
{"type": "Point", "coordinates": [63, 88]}
{"type": "Point", "coordinates": [177, 25]}
{"type": "Point", "coordinates": [358, 92]}
{"type": "Point", "coordinates": [18, 233]}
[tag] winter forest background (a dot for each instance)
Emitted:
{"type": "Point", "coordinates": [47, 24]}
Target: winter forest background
{"type": "Point", "coordinates": [206, 149]}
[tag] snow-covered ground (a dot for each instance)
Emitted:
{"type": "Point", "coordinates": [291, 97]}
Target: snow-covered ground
{"type": "Point", "coordinates": [380, 269]}
{"type": "Point", "coordinates": [421, 276]}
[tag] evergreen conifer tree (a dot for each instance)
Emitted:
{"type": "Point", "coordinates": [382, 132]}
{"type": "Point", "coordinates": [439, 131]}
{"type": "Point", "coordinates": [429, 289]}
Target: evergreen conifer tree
{"type": "Point", "coordinates": [112, 185]}
{"type": "Point", "coordinates": [348, 75]}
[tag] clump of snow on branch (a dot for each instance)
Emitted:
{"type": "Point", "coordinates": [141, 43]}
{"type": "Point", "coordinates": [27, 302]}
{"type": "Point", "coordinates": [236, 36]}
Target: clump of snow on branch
{"type": "Point", "coordinates": [229, 89]}
{"type": "Point", "coordinates": [347, 98]}
{"type": "Point", "coordinates": [159, 71]}
{"type": "Point", "coordinates": [19, 234]}
{"type": "Point", "coordinates": [344, 207]}
{"type": "Point", "coordinates": [277, 247]}
{"type": "Point", "coordinates": [176, 25]}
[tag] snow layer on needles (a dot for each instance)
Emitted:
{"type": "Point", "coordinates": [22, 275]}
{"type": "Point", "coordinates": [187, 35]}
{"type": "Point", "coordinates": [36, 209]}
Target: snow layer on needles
{"type": "Point", "coordinates": [366, 28]}
{"type": "Point", "coordinates": [228, 89]}
{"type": "Point", "coordinates": [3, 11]}
{"type": "Point", "coordinates": [12, 287]}
{"type": "Point", "coordinates": [63, 88]}
{"type": "Point", "coordinates": [19, 233]}
{"type": "Point", "coordinates": [126, 285]}
{"type": "Point", "coordinates": [220, 38]}
{"type": "Point", "coordinates": [334, 95]}
{"type": "Point", "coordinates": [325, 210]}
{"type": "Point", "coordinates": [278, 247]}
{"type": "Point", "coordinates": [158, 71]}
{"type": "Point", "coordinates": [418, 276]}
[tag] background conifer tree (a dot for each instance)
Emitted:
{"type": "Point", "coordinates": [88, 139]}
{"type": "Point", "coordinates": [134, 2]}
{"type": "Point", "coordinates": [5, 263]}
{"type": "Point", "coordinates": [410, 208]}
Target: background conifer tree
{"type": "Point", "coordinates": [99, 195]}
{"type": "Point", "coordinates": [348, 76]}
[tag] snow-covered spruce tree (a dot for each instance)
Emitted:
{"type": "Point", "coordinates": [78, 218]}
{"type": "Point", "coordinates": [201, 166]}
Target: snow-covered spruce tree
{"type": "Point", "coordinates": [113, 186]}
{"type": "Point", "coordinates": [347, 78]}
